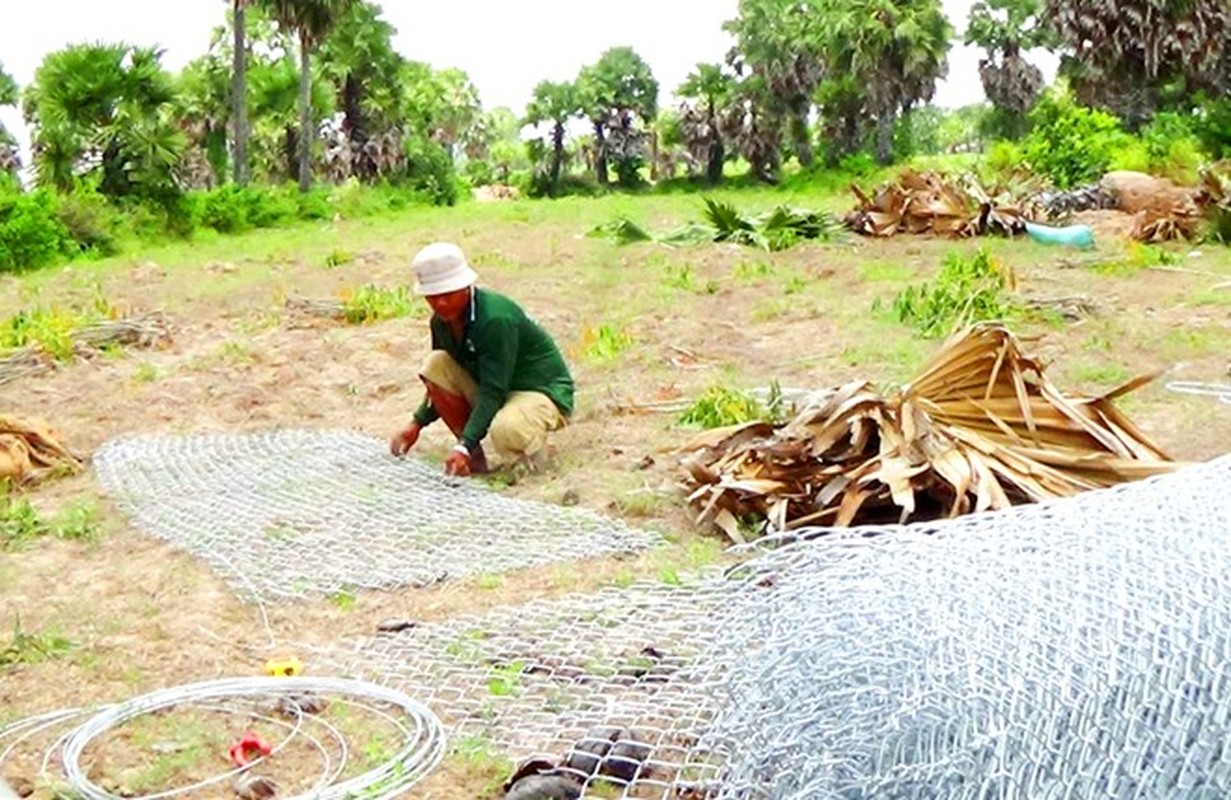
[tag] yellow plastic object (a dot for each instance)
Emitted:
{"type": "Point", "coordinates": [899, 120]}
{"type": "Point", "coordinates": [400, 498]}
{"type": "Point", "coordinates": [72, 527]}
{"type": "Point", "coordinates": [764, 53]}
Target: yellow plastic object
{"type": "Point", "coordinates": [285, 667]}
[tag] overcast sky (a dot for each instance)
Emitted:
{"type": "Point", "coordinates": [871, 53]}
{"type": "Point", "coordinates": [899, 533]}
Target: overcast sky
{"type": "Point", "coordinates": [506, 46]}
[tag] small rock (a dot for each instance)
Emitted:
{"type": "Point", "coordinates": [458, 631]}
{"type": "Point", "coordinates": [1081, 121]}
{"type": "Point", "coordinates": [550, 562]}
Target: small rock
{"type": "Point", "coordinates": [645, 463]}
{"type": "Point", "coordinates": [544, 787]}
{"type": "Point", "coordinates": [395, 625]}
{"type": "Point", "coordinates": [296, 705]}
{"type": "Point", "coordinates": [251, 786]}
{"type": "Point", "coordinates": [570, 498]}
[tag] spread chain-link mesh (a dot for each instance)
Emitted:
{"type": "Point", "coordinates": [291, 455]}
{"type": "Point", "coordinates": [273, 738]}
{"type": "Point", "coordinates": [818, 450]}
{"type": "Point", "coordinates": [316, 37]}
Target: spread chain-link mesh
{"type": "Point", "coordinates": [547, 677]}
{"type": "Point", "coordinates": [1074, 649]}
{"type": "Point", "coordinates": [293, 513]}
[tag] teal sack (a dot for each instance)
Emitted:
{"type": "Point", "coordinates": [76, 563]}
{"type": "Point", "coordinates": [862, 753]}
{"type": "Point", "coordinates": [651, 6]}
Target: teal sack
{"type": "Point", "coordinates": [1071, 235]}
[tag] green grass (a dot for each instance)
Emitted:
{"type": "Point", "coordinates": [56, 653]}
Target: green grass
{"type": "Point", "coordinates": [1100, 374]}
{"type": "Point", "coordinates": [604, 343]}
{"type": "Point", "coordinates": [371, 303]}
{"type": "Point", "coordinates": [885, 272]}
{"type": "Point", "coordinates": [967, 290]}
{"type": "Point", "coordinates": [721, 405]}
{"type": "Point", "coordinates": [482, 762]}
{"type": "Point", "coordinates": [21, 524]}
{"type": "Point", "coordinates": [1216, 298]}
{"type": "Point", "coordinates": [338, 258]}
{"type": "Point", "coordinates": [27, 647]}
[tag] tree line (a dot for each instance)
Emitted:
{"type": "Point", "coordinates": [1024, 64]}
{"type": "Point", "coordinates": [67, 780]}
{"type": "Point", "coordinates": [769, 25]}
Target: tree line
{"type": "Point", "coordinates": [313, 90]}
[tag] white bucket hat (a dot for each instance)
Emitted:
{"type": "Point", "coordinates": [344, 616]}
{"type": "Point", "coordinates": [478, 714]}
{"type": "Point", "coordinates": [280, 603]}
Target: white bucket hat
{"type": "Point", "coordinates": [441, 268]}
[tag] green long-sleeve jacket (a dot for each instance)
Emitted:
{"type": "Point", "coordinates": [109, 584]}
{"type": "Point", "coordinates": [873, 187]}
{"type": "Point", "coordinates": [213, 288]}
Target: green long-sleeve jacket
{"type": "Point", "coordinates": [504, 351]}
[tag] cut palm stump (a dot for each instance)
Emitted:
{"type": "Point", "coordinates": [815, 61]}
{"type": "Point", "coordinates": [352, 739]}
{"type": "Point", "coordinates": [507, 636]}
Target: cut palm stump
{"type": "Point", "coordinates": [981, 428]}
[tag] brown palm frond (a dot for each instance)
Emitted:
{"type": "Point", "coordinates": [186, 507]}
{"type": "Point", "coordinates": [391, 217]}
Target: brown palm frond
{"type": "Point", "coordinates": [929, 202]}
{"type": "Point", "coordinates": [981, 428]}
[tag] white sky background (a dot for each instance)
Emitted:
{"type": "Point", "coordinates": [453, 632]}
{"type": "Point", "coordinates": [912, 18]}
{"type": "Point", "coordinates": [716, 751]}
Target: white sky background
{"type": "Point", "coordinates": [506, 46]}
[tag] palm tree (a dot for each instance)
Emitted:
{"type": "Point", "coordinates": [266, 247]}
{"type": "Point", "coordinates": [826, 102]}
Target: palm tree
{"type": "Point", "coordinates": [106, 109]}
{"type": "Point", "coordinates": [711, 88]}
{"type": "Point", "coordinates": [556, 103]}
{"type": "Point", "coordinates": [1005, 28]}
{"type": "Point", "coordinates": [754, 124]}
{"type": "Point", "coordinates": [780, 43]}
{"type": "Point", "coordinates": [204, 112]}
{"type": "Point", "coordinates": [9, 161]}
{"type": "Point", "coordinates": [617, 88]}
{"type": "Point", "coordinates": [365, 70]}
{"type": "Point", "coordinates": [1123, 53]}
{"type": "Point", "coordinates": [239, 92]}
{"type": "Point", "coordinates": [310, 21]}
{"type": "Point", "coordinates": [895, 52]}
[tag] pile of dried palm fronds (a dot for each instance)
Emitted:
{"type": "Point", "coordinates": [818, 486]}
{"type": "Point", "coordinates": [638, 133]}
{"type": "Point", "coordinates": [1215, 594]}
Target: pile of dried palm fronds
{"type": "Point", "coordinates": [147, 330]}
{"type": "Point", "coordinates": [981, 428]}
{"type": "Point", "coordinates": [30, 450]}
{"type": "Point", "coordinates": [780, 228]}
{"type": "Point", "coordinates": [930, 202]}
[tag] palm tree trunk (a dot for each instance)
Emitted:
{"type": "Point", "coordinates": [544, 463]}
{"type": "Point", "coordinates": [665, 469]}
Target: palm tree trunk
{"type": "Point", "coordinates": [239, 97]}
{"type": "Point", "coordinates": [884, 139]}
{"type": "Point", "coordinates": [713, 170]}
{"type": "Point", "coordinates": [557, 153]}
{"type": "Point", "coordinates": [305, 116]}
{"type": "Point", "coordinates": [802, 137]}
{"type": "Point", "coordinates": [600, 154]}
{"type": "Point", "coordinates": [717, 154]}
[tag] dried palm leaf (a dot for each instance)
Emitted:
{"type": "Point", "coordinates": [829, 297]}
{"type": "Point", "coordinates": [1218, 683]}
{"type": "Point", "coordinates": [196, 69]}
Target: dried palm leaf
{"type": "Point", "coordinates": [928, 202]}
{"type": "Point", "coordinates": [981, 428]}
{"type": "Point", "coordinates": [31, 450]}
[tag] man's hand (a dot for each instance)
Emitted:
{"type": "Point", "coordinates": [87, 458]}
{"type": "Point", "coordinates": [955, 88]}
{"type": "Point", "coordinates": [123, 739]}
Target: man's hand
{"type": "Point", "coordinates": [458, 463]}
{"type": "Point", "coordinates": [400, 445]}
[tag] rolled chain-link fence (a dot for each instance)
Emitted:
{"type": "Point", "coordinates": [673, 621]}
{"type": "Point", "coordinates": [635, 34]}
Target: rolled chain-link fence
{"type": "Point", "coordinates": [1074, 649]}
{"type": "Point", "coordinates": [295, 513]}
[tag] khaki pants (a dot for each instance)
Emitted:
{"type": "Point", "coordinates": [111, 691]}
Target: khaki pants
{"type": "Point", "coordinates": [519, 428]}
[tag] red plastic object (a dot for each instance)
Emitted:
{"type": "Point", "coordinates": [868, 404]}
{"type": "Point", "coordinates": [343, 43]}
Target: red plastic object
{"type": "Point", "coordinates": [248, 747]}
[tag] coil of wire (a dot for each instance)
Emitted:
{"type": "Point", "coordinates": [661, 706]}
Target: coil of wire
{"type": "Point", "coordinates": [423, 738]}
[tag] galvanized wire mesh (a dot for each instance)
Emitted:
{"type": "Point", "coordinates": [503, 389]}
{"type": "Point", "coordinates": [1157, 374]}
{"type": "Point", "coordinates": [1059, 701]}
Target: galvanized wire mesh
{"type": "Point", "coordinates": [295, 513]}
{"type": "Point", "coordinates": [1079, 648]}
{"type": "Point", "coordinates": [1076, 649]}
{"type": "Point", "coordinates": [551, 676]}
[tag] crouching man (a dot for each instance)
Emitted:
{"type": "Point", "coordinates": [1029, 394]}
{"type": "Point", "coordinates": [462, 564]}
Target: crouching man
{"type": "Point", "coordinates": [492, 369]}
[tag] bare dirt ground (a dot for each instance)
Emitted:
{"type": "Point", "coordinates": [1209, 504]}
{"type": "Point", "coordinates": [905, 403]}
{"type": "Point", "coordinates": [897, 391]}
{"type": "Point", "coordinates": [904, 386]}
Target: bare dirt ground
{"type": "Point", "coordinates": [142, 616]}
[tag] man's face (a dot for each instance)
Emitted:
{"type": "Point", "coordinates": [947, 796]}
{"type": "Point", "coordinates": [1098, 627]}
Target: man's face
{"type": "Point", "coordinates": [450, 306]}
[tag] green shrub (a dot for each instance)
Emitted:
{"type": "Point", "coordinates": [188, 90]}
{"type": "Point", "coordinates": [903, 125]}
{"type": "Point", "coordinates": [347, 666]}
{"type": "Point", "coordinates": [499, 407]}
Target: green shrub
{"type": "Point", "coordinates": [1166, 147]}
{"type": "Point", "coordinates": [90, 221]}
{"type": "Point", "coordinates": [1071, 144]}
{"type": "Point", "coordinates": [313, 204]}
{"type": "Point", "coordinates": [719, 406]}
{"type": "Point", "coordinates": [1003, 158]}
{"type": "Point", "coordinates": [429, 169]}
{"type": "Point", "coordinates": [233, 208]}
{"type": "Point", "coordinates": [1212, 127]}
{"type": "Point", "coordinates": [225, 209]}
{"type": "Point", "coordinates": [31, 233]}
{"type": "Point", "coordinates": [964, 292]}
{"type": "Point", "coordinates": [273, 205]}
{"type": "Point", "coordinates": [371, 303]}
